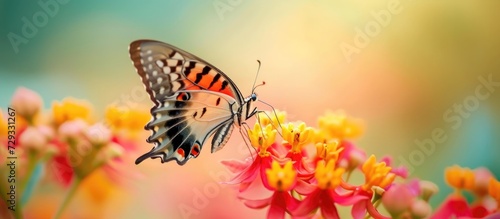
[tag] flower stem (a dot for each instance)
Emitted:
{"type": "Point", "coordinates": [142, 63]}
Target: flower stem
{"type": "Point", "coordinates": [69, 196]}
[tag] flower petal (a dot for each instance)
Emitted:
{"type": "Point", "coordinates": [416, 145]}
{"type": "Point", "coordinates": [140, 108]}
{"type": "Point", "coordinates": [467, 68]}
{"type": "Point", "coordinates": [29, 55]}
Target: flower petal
{"type": "Point", "coordinates": [307, 205]}
{"type": "Point", "coordinates": [358, 210]}
{"type": "Point", "coordinates": [327, 206]}
{"type": "Point", "coordinates": [278, 206]}
{"type": "Point", "coordinates": [452, 206]}
{"type": "Point", "coordinates": [235, 166]}
{"type": "Point", "coordinates": [373, 211]}
{"type": "Point", "coordinates": [304, 188]}
{"type": "Point", "coordinates": [258, 204]}
{"type": "Point", "coordinates": [248, 174]}
{"type": "Point", "coordinates": [348, 199]}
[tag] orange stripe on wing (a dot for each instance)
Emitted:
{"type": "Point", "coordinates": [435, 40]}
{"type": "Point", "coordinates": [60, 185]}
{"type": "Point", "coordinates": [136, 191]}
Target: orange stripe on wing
{"type": "Point", "coordinates": [210, 80]}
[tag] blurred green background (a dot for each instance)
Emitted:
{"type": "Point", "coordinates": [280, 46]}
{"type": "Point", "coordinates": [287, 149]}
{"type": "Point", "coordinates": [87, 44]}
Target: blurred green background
{"type": "Point", "coordinates": [420, 61]}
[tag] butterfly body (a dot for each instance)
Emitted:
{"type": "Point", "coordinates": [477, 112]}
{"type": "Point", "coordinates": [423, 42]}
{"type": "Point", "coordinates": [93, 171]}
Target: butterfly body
{"type": "Point", "coordinates": [193, 101]}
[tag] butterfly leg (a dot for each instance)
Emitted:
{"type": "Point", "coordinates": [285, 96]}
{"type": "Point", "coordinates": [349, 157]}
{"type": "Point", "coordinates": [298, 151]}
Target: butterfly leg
{"type": "Point", "coordinates": [274, 112]}
{"type": "Point", "coordinates": [244, 133]}
{"type": "Point", "coordinates": [268, 116]}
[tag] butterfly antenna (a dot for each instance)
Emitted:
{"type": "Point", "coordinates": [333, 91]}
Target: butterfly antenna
{"type": "Point", "coordinates": [256, 76]}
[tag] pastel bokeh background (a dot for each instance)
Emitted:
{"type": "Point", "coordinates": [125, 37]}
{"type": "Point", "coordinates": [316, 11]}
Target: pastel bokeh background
{"type": "Point", "coordinates": [410, 75]}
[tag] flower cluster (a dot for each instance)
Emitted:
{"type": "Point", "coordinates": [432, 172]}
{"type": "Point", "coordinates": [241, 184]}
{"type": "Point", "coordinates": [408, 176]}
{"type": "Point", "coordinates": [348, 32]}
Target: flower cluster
{"type": "Point", "coordinates": [481, 184]}
{"type": "Point", "coordinates": [65, 145]}
{"type": "Point", "coordinates": [306, 174]}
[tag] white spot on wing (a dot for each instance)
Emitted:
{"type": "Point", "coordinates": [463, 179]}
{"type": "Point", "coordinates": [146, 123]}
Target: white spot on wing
{"type": "Point", "coordinates": [173, 77]}
{"type": "Point", "coordinates": [177, 56]}
{"type": "Point", "coordinates": [149, 51]}
{"type": "Point", "coordinates": [155, 73]}
{"type": "Point", "coordinates": [176, 86]}
{"type": "Point", "coordinates": [159, 63]}
{"type": "Point", "coordinates": [162, 90]}
{"type": "Point", "coordinates": [150, 58]}
{"type": "Point", "coordinates": [166, 69]}
{"type": "Point", "coordinates": [150, 66]}
{"type": "Point", "coordinates": [159, 80]}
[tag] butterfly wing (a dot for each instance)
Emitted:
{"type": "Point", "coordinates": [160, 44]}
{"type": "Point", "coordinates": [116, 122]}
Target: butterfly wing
{"type": "Point", "coordinates": [193, 100]}
{"type": "Point", "coordinates": [165, 69]}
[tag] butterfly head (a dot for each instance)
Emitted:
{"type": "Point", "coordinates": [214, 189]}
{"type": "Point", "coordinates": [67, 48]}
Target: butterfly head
{"type": "Point", "coordinates": [250, 109]}
{"type": "Point", "coordinates": [253, 97]}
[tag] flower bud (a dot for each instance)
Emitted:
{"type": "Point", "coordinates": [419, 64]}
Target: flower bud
{"type": "Point", "coordinates": [398, 199]}
{"type": "Point", "coordinates": [98, 134]}
{"type": "Point", "coordinates": [26, 102]}
{"type": "Point", "coordinates": [72, 129]}
{"type": "Point", "coordinates": [420, 209]}
{"type": "Point", "coordinates": [32, 138]}
{"type": "Point", "coordinates": [428, 189]}
{"type": "Point", "coordinates": [482, 177]}
{"type": "Point", "coordinates": [109, 152]}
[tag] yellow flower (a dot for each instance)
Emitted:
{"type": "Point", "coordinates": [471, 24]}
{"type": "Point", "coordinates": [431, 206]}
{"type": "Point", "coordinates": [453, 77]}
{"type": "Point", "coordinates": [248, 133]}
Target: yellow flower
{"type": "Point", "coordinates": [329, 150]}
{"type": "Point", "coordinates": [494, 190]}
{"type": "Point", "coordinates": [339, 125]}
{"type": "Point", "coordinates": [327, 175]}
{"type": "Point", "coordinates": [127, 118]}
{"type": "Point", "coordinates": [262, 138]}
{"type": "Point", "coordinates": [376, 174]}
{"type": "Point", "coordinates": [275, 118]}
{"type": "Point", "coordinates": [459, 178]}
{"type": "Point", "coordinates": [297, 136]}
{"type": "Point", "coordinates": [281, 179]}
{"type": "Point", "coordinates": [70, 109]}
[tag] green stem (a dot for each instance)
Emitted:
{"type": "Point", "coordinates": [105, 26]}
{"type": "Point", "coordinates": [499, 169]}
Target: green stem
{"type": "Point", "coordinates": [32, 162]}
{"type": "Point", "coordinates": [348, 176]}
{"type": "Point", "coordinates": [69, 196]}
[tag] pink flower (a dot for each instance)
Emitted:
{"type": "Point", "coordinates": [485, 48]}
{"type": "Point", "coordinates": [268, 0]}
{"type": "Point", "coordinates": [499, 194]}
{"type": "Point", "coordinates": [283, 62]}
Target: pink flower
{"type": "Point", "coordinates": [27, 103]}
{"type": "Point", "coordinates": [350, 157]}
{"type": "Point", "coordinates": [401, 200]}
{"type": "Point", "coordinates": [280, 180]}
{"type": "Point", "coordinates": [324, 196]}
{"type": "Point", "coordinates": [453, 206]}
{"type": "Point", "coordinates": [33, 138]}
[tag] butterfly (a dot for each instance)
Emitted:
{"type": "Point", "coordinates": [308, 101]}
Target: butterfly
{"type": "Point", "coordinates": [193, 100]}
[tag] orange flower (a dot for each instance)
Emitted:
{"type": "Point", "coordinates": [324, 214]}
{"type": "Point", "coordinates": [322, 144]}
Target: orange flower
{"type": "Point", "coordinates": [376, 174]}
{"type": "Point", "coordinates": [459, 178]}
{"type": "Point", "coordinates": [494, 190]}
{"type": "Point", "coordinates": [70, 109]}
{"type": "Point", "coordinates": [328, 151]}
